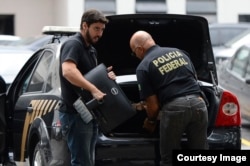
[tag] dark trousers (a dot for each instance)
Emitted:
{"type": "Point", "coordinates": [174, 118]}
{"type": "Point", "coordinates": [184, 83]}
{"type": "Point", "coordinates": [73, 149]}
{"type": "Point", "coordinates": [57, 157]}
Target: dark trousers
{"type": "Point", "coordinates": [183, 114]}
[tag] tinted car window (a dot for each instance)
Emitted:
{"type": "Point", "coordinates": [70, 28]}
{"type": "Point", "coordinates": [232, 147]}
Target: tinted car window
{"type": "Point", "coordinates": [40, 76]}
{"type": "Point", "coordinates": [240, 61]}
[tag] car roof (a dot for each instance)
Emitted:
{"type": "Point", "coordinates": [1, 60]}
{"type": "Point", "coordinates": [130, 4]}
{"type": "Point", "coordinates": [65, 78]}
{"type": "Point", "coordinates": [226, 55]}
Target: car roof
{"type": "Point", "coordinates": [240, 39]}
{"type": "Point", "coordinates": [9, 69]}
{"type": "Point", "coordinates": [32, 43]}
{"type": "Point", "coordinates": [6, 39]}
{"type": "Point", "coordinates": [247, 44]}
{"type": "Point", "coordinates": [220, 33]}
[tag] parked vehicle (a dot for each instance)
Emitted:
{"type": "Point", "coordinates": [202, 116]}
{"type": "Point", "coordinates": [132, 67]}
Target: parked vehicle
{"type": "Point", "coordinates": [11, 63]}
{"type": "Point", "coordinates": [32, 99]}
{"type": "Point", "coordinates": [8, 39]}
{"type": "Point", "coordinates": [32, 43]}
{"type": "Point", "coordinates": [220, 33]}
{"type": "Point", "coordinates": [228, 49]}
{"type": "Point", "coordinates": [234, 75]}
{"type": "Point", "coordinates": [14, 56]}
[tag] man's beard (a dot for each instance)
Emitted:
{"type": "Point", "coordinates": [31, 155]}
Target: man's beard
{"type": "Point", "coordinates": [89, 39]}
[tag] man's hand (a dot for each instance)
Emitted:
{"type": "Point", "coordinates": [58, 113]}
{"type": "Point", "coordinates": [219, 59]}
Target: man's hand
{"type": "Point", "coordinates": [74, 76]}
{"type": "Point", "coordinates": [97, 94]}
{"type": "Point", "coordinates": [111, 74]}
{"type": "Point", "coordinates": [140, 106]}
{"type": "Point", "coordinates": [149, 125]}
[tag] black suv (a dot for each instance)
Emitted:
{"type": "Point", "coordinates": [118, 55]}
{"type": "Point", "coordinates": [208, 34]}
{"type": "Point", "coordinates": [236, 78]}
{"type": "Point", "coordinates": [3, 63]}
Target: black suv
{"type": "Point", "coordinates": [30, 103]}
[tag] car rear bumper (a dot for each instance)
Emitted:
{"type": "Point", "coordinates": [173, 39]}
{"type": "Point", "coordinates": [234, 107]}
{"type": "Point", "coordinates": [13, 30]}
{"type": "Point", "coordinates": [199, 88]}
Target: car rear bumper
{"type": "Point", "coordinates": [225, 138]}
{"type": "Point", "coordinates": [218, 139]}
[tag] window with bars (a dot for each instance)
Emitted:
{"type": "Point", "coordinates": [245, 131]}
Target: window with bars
{"type": "Point", "coordinates": [108, 7]}
{"type": "Point", "coordinates": [150, 6]}
{"type": "Point", "coordinates": [204, 8]}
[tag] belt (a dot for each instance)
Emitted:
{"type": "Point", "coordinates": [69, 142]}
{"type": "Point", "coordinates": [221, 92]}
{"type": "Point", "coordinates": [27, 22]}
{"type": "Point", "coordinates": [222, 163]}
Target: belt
{"type": "Point", "coordinates": [187, 97]}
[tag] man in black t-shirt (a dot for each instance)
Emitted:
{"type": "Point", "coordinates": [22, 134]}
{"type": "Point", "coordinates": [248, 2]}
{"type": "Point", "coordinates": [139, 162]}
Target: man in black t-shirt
{"type": "Point", "coordinates": [2, 85]}
{"type": "Point", "coordinates": [78, 56]}
{"type": "Point", "coordinates": [168, 84]}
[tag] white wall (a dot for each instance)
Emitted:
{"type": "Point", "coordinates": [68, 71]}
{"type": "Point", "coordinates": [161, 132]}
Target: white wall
{"type": "Point", "coordinates": [125, 6]}
{"type": "Point", "coordinates": [176, 6]}
{"type": "Point", "coordinates": [67, 13]}
{"type": "Point", "coordinates": [228, 10]}
{"type": "Point", "coordinates": [60, 12]}
{"type": "Point", "coordinates": [30, 15]}
{"type": "Point", "coordinates": [75, 11]}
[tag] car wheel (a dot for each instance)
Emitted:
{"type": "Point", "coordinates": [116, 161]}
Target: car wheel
{"type": "Point", "coordinates": [38, 157]}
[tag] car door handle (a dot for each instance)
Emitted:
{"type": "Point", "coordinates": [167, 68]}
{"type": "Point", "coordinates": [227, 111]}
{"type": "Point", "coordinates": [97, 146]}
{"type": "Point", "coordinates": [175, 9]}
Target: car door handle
{"type": "Point", "coordinates": [30, 109]}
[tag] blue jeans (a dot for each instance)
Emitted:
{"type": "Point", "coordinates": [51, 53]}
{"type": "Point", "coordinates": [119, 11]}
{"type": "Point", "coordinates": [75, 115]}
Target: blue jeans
{"type": "Point", "coordinates": [187, 114]}
{"type": "Point", "coordinates": [81, 138]}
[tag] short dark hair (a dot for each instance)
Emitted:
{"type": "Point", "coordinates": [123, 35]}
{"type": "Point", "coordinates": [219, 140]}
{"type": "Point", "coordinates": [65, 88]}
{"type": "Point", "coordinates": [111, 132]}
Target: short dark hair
{"type": "Point", "coordinates": [93, 16]}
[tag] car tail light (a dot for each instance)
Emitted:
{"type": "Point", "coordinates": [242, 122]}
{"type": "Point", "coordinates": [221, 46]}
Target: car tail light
{"type": "Point", "coordinates": [229, 111]}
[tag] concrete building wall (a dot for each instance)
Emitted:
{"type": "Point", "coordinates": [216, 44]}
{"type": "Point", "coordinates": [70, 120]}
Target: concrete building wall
{"type": "Point", "coordinates": [228, 11]}
{"type": "Point", "coordinates": [61, 11]}
{"type": "Point", "coordinates": [176, 7]}
{"type": "Point", "coordinates": [75, 11]}
{"type": "Point", "coordinates": [29, 15]}
{"type": "Point", "coordinates": [125, 7]}
{"type": "Point", "coordinates": [32, 15]}
{"type": "Point", "coordinates": [67, 12]}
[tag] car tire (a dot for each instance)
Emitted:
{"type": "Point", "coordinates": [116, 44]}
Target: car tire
{"type": "Point", "coordinates": [38, 156]}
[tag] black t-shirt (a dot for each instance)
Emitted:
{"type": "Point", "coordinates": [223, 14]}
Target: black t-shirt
{"type": "Point", "coordinates": [167, 73]}
{"type": "Point", "coordinates": [75, 50]}
{"type": "Point", "coordinates": [2, 85]}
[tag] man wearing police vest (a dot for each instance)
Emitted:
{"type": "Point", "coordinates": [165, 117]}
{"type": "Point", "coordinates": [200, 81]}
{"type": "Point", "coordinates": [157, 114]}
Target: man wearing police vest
{"type": "Point", "coordinates": [168, 86]}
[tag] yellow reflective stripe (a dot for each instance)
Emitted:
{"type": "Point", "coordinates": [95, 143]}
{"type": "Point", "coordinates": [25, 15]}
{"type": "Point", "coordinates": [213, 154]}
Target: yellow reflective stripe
{"type": "Point", "coordinates": [25, 128]}
{"type": "Point", "coordinates": [40, 107]}
{"type": "Point", "coordinates": [47, 107]}
{"type": "Point", "coordinates": [52, 106]}
{"type": "Point", "coordinates": [34, 110]}
{"type": "Point", "coordinates": [43, 108]}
